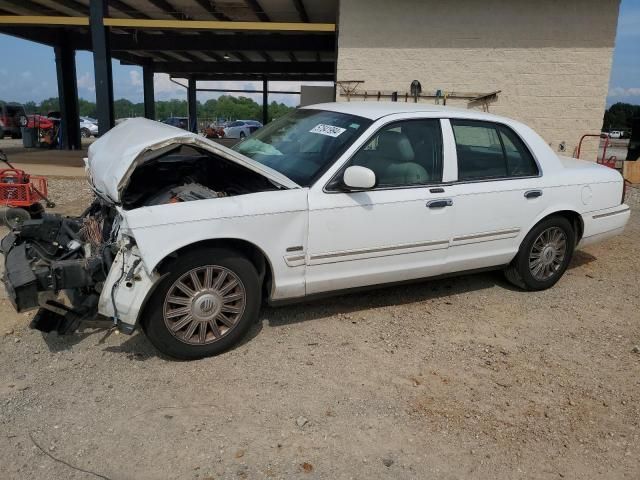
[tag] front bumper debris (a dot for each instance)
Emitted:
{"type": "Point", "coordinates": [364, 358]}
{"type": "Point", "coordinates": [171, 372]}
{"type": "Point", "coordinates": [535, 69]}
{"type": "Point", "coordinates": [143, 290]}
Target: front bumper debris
{"type": "Point", "coordinates": [49, 265]}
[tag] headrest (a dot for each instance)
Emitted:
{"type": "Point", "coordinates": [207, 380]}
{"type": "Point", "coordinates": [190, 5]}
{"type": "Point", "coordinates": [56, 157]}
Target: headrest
{"type": "Point", "coordinates": [395, 145]}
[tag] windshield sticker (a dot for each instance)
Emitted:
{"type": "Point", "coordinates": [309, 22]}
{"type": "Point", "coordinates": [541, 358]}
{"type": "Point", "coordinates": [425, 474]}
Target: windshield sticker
{"type": "Point", "coordinates": [354, 125]}
{"type": "Point", "coordinates": [328, 130]}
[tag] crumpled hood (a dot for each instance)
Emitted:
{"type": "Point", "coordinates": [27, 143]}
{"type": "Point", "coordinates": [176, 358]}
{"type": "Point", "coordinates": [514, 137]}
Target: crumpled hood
{"type": "Point", "coordinates": [114, 156]}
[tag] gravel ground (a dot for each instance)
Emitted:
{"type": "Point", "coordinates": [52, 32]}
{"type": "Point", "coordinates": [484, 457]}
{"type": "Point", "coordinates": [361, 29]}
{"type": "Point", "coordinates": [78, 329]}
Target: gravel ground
{"type": "Point", "coordinates": [459, 378]}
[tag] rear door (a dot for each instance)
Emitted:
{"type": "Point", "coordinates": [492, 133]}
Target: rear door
{"type": "Point", "coordinates": [498, 193]}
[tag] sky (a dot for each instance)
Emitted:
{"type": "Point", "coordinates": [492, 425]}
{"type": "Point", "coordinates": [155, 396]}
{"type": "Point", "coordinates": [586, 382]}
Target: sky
{"type": "Point", "coordinates": [28, 72]}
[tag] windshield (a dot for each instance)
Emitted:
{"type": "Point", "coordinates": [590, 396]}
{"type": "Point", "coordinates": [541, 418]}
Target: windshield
{"type": "Point", "coordinates": [304, 143]}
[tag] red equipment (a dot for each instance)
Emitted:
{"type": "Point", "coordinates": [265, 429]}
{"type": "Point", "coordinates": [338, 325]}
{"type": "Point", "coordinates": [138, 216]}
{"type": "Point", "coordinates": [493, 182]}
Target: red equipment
{"type": "Point", "coordinates": [607, 162]}
{"type": "Point", "coordinates": [18, 189]}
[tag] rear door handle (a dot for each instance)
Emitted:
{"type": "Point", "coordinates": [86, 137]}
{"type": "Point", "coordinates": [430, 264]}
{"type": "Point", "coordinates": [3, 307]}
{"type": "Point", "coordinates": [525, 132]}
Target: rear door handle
{"type": "Point", "coordinates": [533, 194]}
{"type": "Point", "coordinates": [441, 203]}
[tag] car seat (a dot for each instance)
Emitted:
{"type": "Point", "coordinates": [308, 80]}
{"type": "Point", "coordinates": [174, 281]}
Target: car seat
{"type": "Point", "coordinates": [395, 149]}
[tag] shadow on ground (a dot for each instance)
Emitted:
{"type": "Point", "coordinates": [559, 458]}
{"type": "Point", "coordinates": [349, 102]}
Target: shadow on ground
{"type": "Point", "coordinates": [138, 348]}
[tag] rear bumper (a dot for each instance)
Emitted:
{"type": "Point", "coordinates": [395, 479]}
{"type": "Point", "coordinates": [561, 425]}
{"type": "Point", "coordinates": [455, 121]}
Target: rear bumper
{"type": "Point", "coordinates": [603, 224]}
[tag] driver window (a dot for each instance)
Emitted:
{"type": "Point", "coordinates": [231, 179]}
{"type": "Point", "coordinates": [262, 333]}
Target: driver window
{"type": "Point", "coordinates": [404, 153]}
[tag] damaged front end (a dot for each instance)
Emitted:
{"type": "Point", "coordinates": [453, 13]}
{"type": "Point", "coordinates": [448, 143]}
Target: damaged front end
{"type": "Point", "coordinates": [59, 264]}
{"type": "Point", "coordinates": [74, 269]}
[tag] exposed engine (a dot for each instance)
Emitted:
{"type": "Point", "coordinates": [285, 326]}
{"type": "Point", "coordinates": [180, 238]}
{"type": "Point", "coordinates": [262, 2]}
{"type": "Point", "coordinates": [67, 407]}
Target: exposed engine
{"type": "Point", "coordinates": [186, 174]}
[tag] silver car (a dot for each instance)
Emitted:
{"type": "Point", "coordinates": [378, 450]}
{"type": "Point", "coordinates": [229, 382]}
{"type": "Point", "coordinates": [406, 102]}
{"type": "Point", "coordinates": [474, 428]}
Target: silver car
{"type": "Point", "coordinates": [88, 127]}
{"type": "Point", "coordinates": [241, 128]}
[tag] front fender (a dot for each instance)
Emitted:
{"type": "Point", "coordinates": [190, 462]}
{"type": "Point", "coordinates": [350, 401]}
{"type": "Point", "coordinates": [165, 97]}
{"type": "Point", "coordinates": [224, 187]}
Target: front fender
{"type": "Point", "coordinates": [271, 221]}
{"type": "Point", "coordinates": [126, 289]}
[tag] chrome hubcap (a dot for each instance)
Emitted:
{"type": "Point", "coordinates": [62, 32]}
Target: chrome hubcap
{"type": "Point", "coordinates": [204, 304]}
{"type": "Point", "coordinates": [547, 253]}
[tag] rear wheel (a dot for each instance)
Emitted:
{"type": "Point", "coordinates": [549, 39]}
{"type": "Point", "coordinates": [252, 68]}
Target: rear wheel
{"type": "Point", "coordinates": [544, 255]}
{"type": "Point", "coordinates": [205, 305]}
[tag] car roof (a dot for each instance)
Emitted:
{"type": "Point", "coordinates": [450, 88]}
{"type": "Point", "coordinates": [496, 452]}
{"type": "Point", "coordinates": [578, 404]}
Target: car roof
{"type": "Point", "coordinates": [375, 110]}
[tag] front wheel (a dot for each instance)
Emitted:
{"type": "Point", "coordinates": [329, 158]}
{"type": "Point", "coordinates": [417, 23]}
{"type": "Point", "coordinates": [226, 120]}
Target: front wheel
{"type": "Point", "coordinates": [242, 135]}
{"type": "Point", "coordinates": [85, 133]}
{"type": "Point", "coordinates": [545, 254]}
{"type": "Point", "coordinates": [205, 305]}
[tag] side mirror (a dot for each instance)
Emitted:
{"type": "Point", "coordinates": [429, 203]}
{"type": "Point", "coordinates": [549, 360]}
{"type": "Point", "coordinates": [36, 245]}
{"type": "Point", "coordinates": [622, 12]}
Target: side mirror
{"type": "Point", "coordinates": [359, 178]}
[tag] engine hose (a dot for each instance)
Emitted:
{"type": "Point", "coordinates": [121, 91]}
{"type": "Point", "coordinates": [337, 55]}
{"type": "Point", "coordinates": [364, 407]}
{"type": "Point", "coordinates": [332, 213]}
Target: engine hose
{"type": "Point", "coordinates": [113, 293]}
{"type": "Point", "coordinates": [42, 252]}
{"type": "Point", "coordinates": [68, 231]}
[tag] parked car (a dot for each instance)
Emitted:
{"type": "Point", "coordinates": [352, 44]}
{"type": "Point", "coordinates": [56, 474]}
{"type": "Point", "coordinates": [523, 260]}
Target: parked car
{"type": "Point", "coordinates": [241, 128]}
{"type": "Point", "coordinates": [180, 122]}
{"type": "Point", "coordinates": [187, 237]}
{"type": "Point", "coordinates": [254, 123]}
{"type": "Point", "coordinates": [616, 134]}
{"type": "Point", "coordinates": [88, 127]}
{"type": "Point", "coordinates": [10, 114]}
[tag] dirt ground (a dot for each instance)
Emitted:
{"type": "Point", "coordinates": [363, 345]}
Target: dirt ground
{"type": "Point", "coordinates": [450, 379]}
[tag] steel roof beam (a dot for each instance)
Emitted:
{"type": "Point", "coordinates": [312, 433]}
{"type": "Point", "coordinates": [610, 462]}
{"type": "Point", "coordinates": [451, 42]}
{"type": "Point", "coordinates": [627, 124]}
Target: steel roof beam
{"type": "Point", "coordinates": [127, 9]}
{"type": "Point", "coordinates": [75, 6]}
{"type": "Point", "coordinates": [283, 77]}
{"type": "Point", "coordinates": [210, 6]}
{"type": "Point", "coordinates": [30, 5]}
{"type": "Point", "coordinates": [208, 41]}
{"type": "Point", "coordinates": [258, 10]}
{"type": "Point", "coordinates": [302, 11]}
{"type": "Point", "coordinates": [169, 9]}
{"type": "Point", "coordinates": [171, 41]}
{"type": "Point", "coordinates": [245, 67]}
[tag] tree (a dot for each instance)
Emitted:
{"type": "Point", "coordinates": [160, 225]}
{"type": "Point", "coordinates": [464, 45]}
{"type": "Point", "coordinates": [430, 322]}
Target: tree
{"type": "Point", "coordinates": [49, 105]}
{"type": "Point", "coordinates": [225, 107]}
{"type": "Point", "coordinates": [31, 108]}
{"type": "Point", "coordinates": [619, 116]}
{"type": "Point", "coordinates": [87, 108]}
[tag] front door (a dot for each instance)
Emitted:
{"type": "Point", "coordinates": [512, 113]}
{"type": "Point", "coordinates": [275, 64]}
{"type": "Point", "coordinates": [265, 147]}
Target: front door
{"type": "Point", "coordinates": [399, 230]}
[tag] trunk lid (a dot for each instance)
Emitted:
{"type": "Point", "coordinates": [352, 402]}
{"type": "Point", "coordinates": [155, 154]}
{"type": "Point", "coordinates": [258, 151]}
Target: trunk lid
{"type": "Point", "coordinates": [114, 156]}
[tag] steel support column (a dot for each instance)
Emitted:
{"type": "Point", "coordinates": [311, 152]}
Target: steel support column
{"type": "Point", "coordinates": [192, 106]}
{"type": "Point", "coordinates": [265, 100]}
{"type": "Point", "coordinates": [149, 97]}
{"type": "Point", "coordinates": [98, 9]}
{"type": "Point", "coordinates": [68, 97]}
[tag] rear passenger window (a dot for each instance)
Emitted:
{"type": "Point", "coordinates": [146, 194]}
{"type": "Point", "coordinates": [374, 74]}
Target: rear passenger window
{"type": "Point", "coordinates": [487, 150]}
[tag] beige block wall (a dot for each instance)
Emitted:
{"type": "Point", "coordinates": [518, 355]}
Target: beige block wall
{"type": "Point", "coordinates": [551, 59]}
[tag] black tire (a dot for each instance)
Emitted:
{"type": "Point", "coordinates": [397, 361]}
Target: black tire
{"type": "Point", "coordinates": [36, 210]}
{"type": "Point", "coordinates": [242, 135]}
{"type": "Point", "coordinates": [519, 271]}
{"type": "Point", "coordinates": [85, 133]}
{"type": "Point", "coordinates": [13, 217]}
{"type": "Point", "coordinates": [153, 318]}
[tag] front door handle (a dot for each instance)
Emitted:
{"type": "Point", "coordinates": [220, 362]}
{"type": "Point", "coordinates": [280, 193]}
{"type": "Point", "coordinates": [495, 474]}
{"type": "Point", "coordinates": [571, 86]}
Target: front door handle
{"type": "Point", "coordinates": [533, 194]}
{"type": "Point", "coordinates": [441, 203]}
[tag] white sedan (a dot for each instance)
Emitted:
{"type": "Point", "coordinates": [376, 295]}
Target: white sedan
{"type": "Point", "coordinates": [241, 128]}
{"type": "Point", "coordinates": [88, 127]}
{"type": "Point", "coordinates": [187, 238]}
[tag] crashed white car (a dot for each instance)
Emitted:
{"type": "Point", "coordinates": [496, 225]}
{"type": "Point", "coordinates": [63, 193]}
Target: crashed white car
{"type": "Point", "coordinates": [187, 238]}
